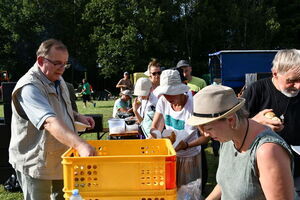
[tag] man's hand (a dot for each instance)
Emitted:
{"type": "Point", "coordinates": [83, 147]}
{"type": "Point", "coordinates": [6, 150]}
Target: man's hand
{"type": "Point", "coordinates": [60, 131]}
{"type": "Point", "coordinates": [122, 86]}
{"type": "Point", "coordinates": [85, 150]}
{"type": "Point", "coordinates": [262, 119]}
{"type": "Point", "coordinates": [86, 120]}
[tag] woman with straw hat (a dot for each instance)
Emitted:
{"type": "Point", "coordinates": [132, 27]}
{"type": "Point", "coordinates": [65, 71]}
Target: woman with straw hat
{"type": "Point", "coordinates": [255, 163]}
{"type": "Point", "coordinates": [173, 108]}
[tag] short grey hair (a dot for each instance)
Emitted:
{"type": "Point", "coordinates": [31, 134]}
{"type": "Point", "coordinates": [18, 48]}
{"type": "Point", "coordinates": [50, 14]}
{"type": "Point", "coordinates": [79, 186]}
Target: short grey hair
{"type": "Point", "coordinates": [240, 115]}
{"type": "Point", "coordinates": [46, 46]}
{"type": "Point", "coordinates": [285, 60]}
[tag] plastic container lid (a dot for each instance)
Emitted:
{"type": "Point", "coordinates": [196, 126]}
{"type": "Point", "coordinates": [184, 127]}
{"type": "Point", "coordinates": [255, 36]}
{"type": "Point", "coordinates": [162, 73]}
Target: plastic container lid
{"type": "Point", "coordinates": [116, 125]}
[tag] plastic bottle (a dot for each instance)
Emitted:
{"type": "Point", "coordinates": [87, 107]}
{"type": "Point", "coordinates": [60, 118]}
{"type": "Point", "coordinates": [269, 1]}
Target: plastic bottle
{"type": "Point", "coordinates": [75, 195]}
{"type": "Point", "coordinates": [187, 196]}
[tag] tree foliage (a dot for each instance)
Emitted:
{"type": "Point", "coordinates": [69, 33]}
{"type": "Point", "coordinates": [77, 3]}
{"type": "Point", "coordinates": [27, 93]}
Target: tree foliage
{"type": "Point", "coordinates": [127, 33]}
{"type": "Point", "coordinates": [121, 35]}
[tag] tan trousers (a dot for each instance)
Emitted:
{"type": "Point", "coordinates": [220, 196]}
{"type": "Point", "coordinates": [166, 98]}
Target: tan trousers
{"type": "Point", "coordinates": [36, 189]}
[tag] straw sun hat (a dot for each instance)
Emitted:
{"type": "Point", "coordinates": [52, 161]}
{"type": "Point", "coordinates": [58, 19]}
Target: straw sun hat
{"type": "Point", "coordinates": [214, 102]}
{"type": "Point", "coordinates": [142, 87]}
{"type": "Point", "coordinates": [170, 84]}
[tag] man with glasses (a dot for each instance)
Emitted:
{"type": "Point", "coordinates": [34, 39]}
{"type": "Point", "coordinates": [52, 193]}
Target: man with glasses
{"type": "Point", "coordinates": [43, 124]}
{"type": "Point", "coordinates": [280, 94]}
{"type": "Point", "coordinates": [195, 83]}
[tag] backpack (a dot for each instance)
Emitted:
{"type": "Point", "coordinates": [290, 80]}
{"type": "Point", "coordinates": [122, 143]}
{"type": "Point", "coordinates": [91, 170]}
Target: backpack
{"type": "Point", "coordinates": [12, 184]}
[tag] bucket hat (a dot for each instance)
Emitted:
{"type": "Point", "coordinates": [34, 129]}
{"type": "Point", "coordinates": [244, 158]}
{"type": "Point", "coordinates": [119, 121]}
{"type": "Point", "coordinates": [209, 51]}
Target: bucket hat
{"type": "Point", "coordinates": [147, 73]}
{"type": "Point", "coordinates": [214, 102]}
{"type": "Point", "coordinates": [170, 83]}
{"type": "Point", "coordinates": [182, 63]}
{"type": "Point", "coordinates": [126, 92]}
{"type": "Point", "coordinates": [142, 87]}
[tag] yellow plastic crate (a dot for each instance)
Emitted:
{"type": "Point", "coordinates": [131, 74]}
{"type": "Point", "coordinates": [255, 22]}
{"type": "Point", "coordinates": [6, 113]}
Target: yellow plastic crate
{"type": "Point", "coordinates": [122, 166]}
{"type": "Point", "coordinates": [139, 195]}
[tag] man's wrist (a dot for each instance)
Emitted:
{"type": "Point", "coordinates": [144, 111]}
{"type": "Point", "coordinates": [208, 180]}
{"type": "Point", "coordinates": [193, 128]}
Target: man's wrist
{"type": "Point", "coordinates": [76, 115]}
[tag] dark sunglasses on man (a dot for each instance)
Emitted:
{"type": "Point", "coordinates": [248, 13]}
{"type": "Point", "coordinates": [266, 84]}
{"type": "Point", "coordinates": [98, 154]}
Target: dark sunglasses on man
{"type": "Point", "coordinates": [156, 73]}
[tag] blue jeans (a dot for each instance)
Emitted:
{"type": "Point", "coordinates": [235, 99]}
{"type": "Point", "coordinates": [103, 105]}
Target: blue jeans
{"type": "Point", "coordinates": [37, 189]}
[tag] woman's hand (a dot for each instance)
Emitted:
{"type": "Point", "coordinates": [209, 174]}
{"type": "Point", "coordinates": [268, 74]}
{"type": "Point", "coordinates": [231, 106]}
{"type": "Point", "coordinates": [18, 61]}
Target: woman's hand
{"type": "Point", "coordinates": [182, 145]}
{"type": "Point", "coordinates": [215, 194]}
{"type": "Point", "coordinates": [136, 104]}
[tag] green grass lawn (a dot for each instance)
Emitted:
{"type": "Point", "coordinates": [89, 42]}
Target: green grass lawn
{"type": "Point", "coordinates": [105, 108]}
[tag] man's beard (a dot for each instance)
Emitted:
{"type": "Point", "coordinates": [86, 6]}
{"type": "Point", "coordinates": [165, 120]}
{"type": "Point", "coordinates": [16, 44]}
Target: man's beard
{"type": "Point", "coordinates": [289, 92]}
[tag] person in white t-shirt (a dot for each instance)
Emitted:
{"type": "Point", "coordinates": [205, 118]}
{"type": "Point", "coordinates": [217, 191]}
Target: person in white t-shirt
{"type": "Point", "coordinates": [143, 108]}
{"type": "Point", "coordinates": [141, 105]}
{"type": "Point", "coordinates": [173, 108]}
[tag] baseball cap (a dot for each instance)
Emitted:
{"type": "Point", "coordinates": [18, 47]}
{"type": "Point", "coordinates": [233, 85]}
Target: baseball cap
{"type": "Point", "coordinates": [182, 63]}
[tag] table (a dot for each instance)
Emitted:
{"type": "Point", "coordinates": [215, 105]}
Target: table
{"type": "Point", "coordinates": [125, 135]}
{"type": "Point", "coordinates": [98, 118]}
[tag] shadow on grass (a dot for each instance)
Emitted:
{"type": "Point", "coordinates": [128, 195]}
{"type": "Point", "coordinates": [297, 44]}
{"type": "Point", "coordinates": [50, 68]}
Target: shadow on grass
{"type": "Point", "coordinates": [103, 106]}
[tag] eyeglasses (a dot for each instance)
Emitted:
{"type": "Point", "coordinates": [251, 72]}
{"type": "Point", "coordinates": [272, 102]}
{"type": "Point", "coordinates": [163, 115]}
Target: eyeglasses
{"type": "Point", "coordinates": [66, 65]}
{"type": "Point", "coordinates": [156, 73]}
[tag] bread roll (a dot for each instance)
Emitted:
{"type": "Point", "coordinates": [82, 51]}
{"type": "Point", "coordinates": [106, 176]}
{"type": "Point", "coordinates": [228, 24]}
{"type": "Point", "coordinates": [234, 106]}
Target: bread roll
{"type": "Point", "coordinates": [170, 135]}
{"type": "Point", "coordinates": [173, 137]}
{"type": "Point", "coordinates": [272, 116]}
{"type": "Point", "coordinates": [276, 119]}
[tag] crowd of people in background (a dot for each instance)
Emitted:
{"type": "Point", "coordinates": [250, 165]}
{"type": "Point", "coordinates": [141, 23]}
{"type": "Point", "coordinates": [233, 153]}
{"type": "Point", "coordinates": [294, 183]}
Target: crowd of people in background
{"type": "Point", "coordinates": [253, 147]}
{"type": "Point", "coordinates": [255, 162]}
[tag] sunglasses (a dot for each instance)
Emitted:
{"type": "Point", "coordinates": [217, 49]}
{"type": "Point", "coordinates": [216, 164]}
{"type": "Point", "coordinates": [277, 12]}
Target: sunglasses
{"type": "Point", "coordinates": [156, 73]}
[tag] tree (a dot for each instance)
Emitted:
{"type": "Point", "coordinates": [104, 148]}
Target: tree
{"type": "Point", "coordinates": [128, 33]}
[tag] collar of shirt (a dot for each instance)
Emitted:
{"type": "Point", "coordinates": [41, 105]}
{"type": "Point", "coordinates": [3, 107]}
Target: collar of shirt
{"type": "Point", "coordinates": [55, 85]}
